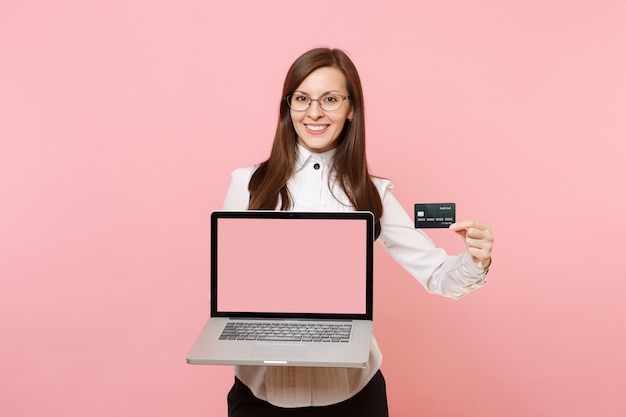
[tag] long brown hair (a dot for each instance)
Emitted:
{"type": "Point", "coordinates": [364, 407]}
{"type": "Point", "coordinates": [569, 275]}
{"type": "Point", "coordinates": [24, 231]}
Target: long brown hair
{"type": "Point", "coordinates": [269, 181]}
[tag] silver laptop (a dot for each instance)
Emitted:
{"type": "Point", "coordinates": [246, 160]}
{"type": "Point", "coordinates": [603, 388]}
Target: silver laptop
{"type": "Point", "coordinates": [289, 289]}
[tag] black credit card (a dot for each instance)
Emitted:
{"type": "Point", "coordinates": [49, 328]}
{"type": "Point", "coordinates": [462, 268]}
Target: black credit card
{"type": "Point", "coordinates": [435, 215]}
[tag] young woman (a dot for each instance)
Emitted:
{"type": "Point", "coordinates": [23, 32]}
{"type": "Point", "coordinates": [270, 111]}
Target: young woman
{"type": "Point", "coordinates": [318, 163]}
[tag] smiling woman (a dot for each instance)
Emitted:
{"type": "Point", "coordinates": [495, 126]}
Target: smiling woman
{"type": "Point", "coordinates": [319, 122]}
{"type": "Point", "coordinates": [318, 163]}
{"type": "Point", "coordinates": [318, 73]}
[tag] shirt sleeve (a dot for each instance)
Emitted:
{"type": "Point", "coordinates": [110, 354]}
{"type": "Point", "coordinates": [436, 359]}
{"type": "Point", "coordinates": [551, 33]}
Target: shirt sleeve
{"type": "Point", "coordinates": [237, 195]}
{"type": "Point", "coordinates": [438, 272]}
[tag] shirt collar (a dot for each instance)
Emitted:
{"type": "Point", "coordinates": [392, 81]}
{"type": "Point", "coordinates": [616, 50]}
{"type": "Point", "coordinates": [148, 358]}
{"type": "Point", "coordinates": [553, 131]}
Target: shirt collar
{"type": "Point", "coordinates": [304, 155]}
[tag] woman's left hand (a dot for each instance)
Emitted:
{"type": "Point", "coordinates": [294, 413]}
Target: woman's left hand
{"type": "Point", "coordinates": [478, 239]}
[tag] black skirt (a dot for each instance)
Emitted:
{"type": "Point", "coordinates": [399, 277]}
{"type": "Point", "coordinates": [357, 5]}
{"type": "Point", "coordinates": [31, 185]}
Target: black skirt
{"type": "Point", "coordinates": [371, 401]}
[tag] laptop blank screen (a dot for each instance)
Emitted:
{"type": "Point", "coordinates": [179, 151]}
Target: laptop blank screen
{"type": "Point", "coordinates": [291, 265]}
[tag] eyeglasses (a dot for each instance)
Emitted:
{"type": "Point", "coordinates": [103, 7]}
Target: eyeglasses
{"type": "Point", "coordinates": [329, 102]}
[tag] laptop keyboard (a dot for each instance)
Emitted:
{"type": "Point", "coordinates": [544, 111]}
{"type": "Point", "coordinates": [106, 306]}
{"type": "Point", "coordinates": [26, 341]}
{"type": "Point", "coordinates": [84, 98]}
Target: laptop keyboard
{"type": "Point", "coordinates": [292, 332]}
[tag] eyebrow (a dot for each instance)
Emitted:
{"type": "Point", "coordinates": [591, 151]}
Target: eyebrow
{"type": "Point", "coordinates": [323, 94]}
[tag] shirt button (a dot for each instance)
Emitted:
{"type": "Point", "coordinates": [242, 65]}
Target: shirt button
{"type": "Point", "coordinates": [316, 166]}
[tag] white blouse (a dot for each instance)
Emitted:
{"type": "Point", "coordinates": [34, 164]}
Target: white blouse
{"type": "Point", "coordinates": [438, 272]}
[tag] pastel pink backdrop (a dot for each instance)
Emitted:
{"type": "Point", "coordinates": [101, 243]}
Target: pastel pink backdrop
{"type": "Point", "coordinates": [121, 120]}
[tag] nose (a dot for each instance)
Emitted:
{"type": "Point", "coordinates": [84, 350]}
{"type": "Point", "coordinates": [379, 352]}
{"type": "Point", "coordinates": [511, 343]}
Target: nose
{"type": "Point", "coordinates": [315, 110]}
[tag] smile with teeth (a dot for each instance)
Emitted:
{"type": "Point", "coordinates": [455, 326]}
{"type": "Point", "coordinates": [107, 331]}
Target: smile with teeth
{"type": "Point", "coordinates": [316, 128]}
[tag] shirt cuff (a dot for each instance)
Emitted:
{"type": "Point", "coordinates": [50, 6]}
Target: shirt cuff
{"type": "Point", "coordinates": [474, 270]}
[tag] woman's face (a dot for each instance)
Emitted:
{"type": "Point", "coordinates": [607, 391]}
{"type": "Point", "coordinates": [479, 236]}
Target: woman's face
{"type": "Point", "coordinates": [318, 130]}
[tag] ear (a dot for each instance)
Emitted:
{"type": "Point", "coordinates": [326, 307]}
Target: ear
{"type": "Point", "coordinates": [349, 117]}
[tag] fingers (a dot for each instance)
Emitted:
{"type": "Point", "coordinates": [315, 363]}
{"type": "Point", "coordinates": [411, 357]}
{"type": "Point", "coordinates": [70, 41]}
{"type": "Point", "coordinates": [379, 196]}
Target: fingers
{"type": "Point", "coordinates": [478, 239]}
{"type": "Point", "coordinates": [467, 224]}
{"type": "Point", "coordinates": [480, 255]}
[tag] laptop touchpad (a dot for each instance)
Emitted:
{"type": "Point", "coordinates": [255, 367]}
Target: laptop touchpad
{"type": "Point", "coordinates": [278, 351]}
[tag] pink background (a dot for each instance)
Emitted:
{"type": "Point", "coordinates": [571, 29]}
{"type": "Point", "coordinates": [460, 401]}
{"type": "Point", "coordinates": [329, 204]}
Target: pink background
{"type": "Point", "coordinates": [120, 122]}
{"type": "Point", "coordinates": [317, 266]}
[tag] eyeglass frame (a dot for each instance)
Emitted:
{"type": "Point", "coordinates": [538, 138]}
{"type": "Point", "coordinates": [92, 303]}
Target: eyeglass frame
{"type": "Point", "coordinates": [319, 103]}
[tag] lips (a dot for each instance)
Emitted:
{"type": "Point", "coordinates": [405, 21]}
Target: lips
{"type": "Point", "coordinates": [316, 129]}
